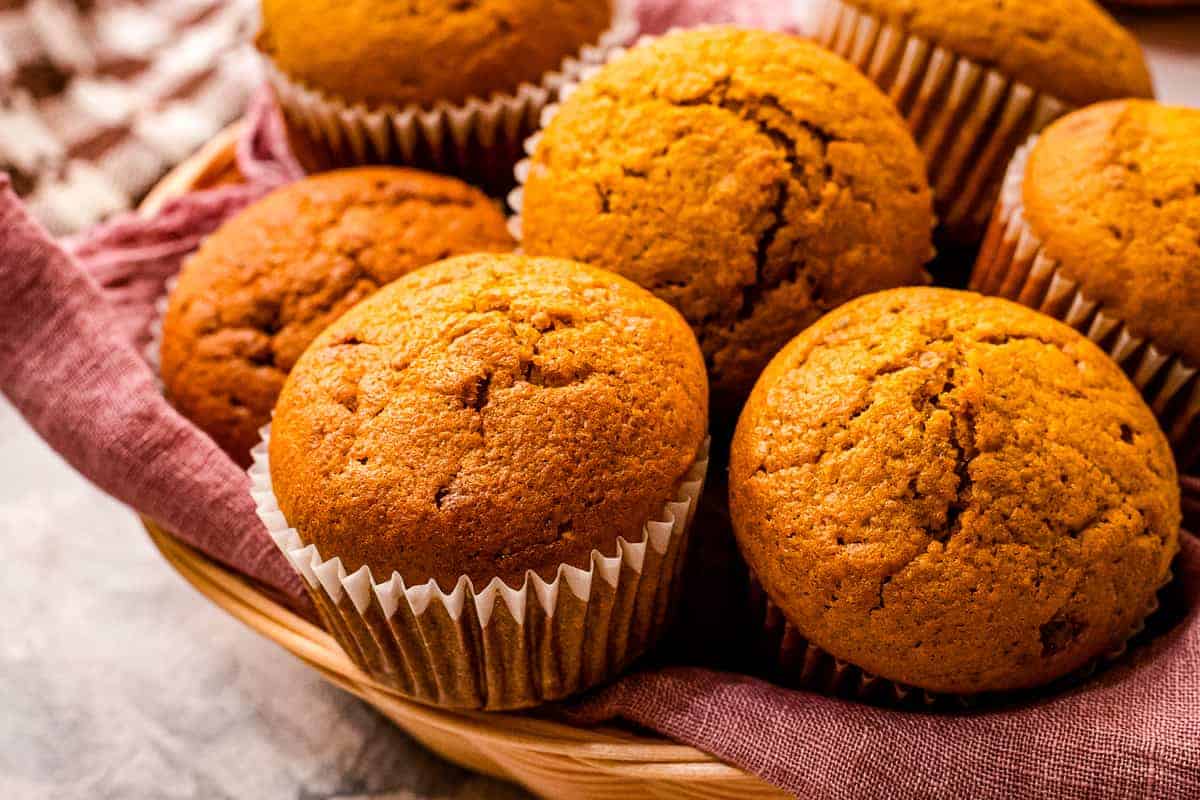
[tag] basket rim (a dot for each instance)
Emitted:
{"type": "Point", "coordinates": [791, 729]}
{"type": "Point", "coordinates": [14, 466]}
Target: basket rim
{"type": "Point", "coordinates": [216, 158]}
{"type": "Point", "coordinates": [236, 596]}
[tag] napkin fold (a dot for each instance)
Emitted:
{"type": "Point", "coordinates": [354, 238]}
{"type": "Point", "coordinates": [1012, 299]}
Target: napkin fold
{"type": "Point", "coordinates": [74, 320]}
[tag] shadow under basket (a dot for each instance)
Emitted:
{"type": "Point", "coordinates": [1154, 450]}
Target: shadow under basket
{"type": "Point", "coordinates": [549, 758]}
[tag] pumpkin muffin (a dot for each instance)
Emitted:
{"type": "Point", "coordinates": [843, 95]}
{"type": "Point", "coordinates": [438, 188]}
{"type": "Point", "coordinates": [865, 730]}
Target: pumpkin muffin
{"type": "Point", "coordinates": [400, 53]}
{"type": "Point", "coordinates": [450, 86]}
{"type": "Point", "coordinates": [1071, 49]}
{"type": "Point", "coordinates": [750, 179]}
{"type": "Point", "coordinates": [262, 287]}
{"type": "Point", "coordinates": [953, 492]}
{"type": "Point", "coordinates": [486, 473]}
{"type": "Point", "coordinates": [1109, 201]}
{"type": "Point", "coordinates": [487, 416]}
{"type": "Point", "coordinates": [976, 78]}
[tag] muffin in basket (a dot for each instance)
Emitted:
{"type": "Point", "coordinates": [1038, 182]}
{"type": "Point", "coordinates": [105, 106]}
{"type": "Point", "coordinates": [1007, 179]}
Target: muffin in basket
{"type": "Point", "coordinates": [446, 85]}
{"type": "Point", "coordinates": [486, 472]}
{"type": "Point", "coordinates": [1099, 226]}
{"type": "Point", "coordinates": [952, 492]}
{"type": "Point", "coordinates": [269, 280]}
{"type": "Point", "coordinates": [974, 78]}
{"type": "Point", "coordinates": [752, 180]}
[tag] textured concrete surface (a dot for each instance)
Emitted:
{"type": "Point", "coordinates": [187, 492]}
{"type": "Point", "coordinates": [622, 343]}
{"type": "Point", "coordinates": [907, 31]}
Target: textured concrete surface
{"type": "Point", "coordinates": [117, 680]}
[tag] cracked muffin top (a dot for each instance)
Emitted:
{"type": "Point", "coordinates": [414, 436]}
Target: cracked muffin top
{"type": "Point", "coordinates": [953, 492]}
{"type": "Point", "coordinates": [486, 416]}
{"type": "Point", "coordinates": [262, 287]}
{"type": "Point", "coordinates": [752, 180]}
{"type": "Point", "coordinates": [1070, 49]}
{"type": "Point", "coordinates": [1113, 192]}
{"type": "Point", "coordinates": [406, 52]}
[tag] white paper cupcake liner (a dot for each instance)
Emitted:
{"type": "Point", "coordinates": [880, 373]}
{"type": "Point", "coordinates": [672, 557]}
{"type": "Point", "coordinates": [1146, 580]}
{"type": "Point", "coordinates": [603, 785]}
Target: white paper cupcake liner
{"type": "Point", "coordinates": [966, 118]}
{"type": "Point", "coordinates": [497, 647]}
{"type": "Point", "coordinates": [479, 139]}
{"type": "Point", "coordinates": [153, 351]}
{"type": "Point", "coordinates": [787, 658]}
{"type": "Point", "coordinates": [1014, 264]}
{"type": "Point", "coordinates": [1191, 500]}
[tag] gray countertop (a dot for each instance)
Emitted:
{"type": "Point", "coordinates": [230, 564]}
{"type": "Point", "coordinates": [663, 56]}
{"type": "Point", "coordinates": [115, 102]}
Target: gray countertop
{"type": "Point", "coordinates": [117, 680]}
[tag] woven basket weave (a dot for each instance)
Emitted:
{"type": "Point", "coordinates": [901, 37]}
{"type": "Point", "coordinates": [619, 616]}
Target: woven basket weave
{"type": "Point", "coordinates": [551, 759]}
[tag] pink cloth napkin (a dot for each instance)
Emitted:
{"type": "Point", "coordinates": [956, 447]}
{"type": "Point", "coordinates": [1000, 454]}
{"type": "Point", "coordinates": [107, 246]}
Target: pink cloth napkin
{"type": "Point", "coordinates": [658, 16]}
{"type": "Point", "coordinates": [1131, 732]}
{"type": "Point", "coordinates": [73, 324]}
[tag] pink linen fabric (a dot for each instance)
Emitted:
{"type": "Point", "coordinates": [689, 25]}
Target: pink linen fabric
{"type": "Point", "coordinates": [74, 321]}
{"type": "Point", "coordinates": [1133, 731]}
{"type": "Point", "coordinates": [659, 16]}
{"type": "Point", "coordinates": [73, 325]}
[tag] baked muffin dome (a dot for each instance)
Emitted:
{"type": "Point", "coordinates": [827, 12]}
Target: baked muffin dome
{"type": "Point", "coordinates": [1113, 193]}
{"type": "Point", "coordinates": [953, 492]}
{"type": "Point", "coordinates": [486, 416]}
{"type": "Point", "coordinates": [396, 52]}
{"type": "Point", "coordinates": [1069, 49]}
{"type": "Point", "coordinates": [262, 287]}
{"type": "Point", "coordinates": [752, 180]}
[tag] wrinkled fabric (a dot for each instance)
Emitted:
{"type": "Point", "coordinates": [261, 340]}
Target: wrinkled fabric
{"type": "Point", "coordinates": [1133, 731]}
{"type": "Point", "coordinates": [75, 319]}
{"type": "Point", "coordinates": [132, 256]}
{"type": "Point", "coordinates": [659, 16]}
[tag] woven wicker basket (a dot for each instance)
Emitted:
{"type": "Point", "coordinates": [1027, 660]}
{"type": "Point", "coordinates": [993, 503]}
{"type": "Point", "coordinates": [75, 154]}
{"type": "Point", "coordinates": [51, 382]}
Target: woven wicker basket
{"type": "Point", "coordinates": [551, 759]}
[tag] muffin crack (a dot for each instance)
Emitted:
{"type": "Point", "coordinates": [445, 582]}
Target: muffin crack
{"type": "Point", "coordinates": [754, 111]}
{"type": "Point", "coordinates": [961, 437]}
{"type": "Point", "coordinates": [962, 440]}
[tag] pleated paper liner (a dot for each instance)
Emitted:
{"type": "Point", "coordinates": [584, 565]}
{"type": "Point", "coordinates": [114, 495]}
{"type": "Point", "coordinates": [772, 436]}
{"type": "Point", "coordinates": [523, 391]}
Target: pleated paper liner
{"type": "Point", "coordinates": [1191, 501]}
{"type": "Point", "coordinates": [1014, 264]}
{"type": "Point", "coordinates": [153, 351]}
{"type": "Point", "coordinates": [478, 140]}
{"type": "Point", "coordinates": [498, 647]}
{"type": "Point", "coordinates": [967, 118]}
{"type": "Point", "coordinates": [785, 657]}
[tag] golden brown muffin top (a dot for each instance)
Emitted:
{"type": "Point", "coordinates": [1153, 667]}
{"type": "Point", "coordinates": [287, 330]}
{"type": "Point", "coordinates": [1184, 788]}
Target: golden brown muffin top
{"type": "Point", "coordinates": [419, 52]}
{"type": "Point", "coordinates": [752, 180]}
{"type": "Point", "coordinates": [262, 287]}
{"type": "Point", "coordinates": [1113, 191]}
{"type": "Point", "coordinates": [1069, 49]}
{"type": "Point", "coordinates": [953, 491]}
{"type": "Point", "coordinates": [486, 416]}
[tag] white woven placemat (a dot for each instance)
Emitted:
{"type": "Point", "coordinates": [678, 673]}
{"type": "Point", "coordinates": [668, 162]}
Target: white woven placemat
{"type": "Point", "coordinates": [99, 98]}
